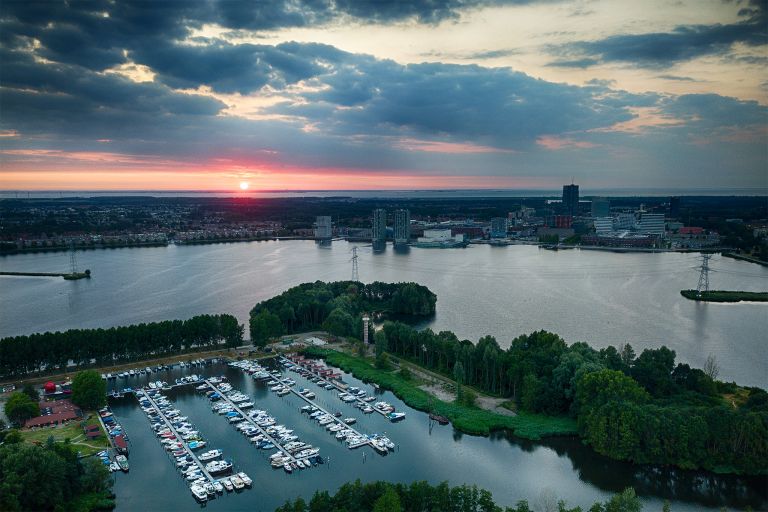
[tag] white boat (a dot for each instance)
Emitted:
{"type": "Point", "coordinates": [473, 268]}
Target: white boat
{"type": "Point", "coordinates": [237, 482]}
{"type": "Point", "coordinates": [245, 478]}
{"type": "Point", "coordinates": [227, 483]}
{"type": "Point", "coordinates": [210, 455]}
{"type": "Point", "coordinates": [218, 487]}
{"type": "Point", "coordinates": [199, 493]}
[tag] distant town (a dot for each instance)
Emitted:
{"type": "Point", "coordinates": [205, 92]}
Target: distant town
{"type": "Point", "coordinates": [738, 225]}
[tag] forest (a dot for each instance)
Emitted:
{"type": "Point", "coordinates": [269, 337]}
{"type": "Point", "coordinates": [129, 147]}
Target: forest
{"type": "Point", "coordinates": [50, 477]}
{"type": "Point", "coordinates": [52, 351]}
{"type": "Point", "coordinates": [422, 497]}
{"type": "Point", "coordinates": [641, 408]}
{"type": "Point", "coordinates": [336, 307]}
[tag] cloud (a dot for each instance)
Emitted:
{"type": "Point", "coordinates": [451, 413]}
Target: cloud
{"type": "Point", "coordinates": [663, 49]}
{"type": "Point", "coordinates": [676, 78]}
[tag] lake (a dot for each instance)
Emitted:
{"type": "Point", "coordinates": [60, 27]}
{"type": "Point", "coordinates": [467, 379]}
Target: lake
{"type": "Point", "coordinates": [599, 297]}
{"type": "Point", "coordinates": [602, 298]}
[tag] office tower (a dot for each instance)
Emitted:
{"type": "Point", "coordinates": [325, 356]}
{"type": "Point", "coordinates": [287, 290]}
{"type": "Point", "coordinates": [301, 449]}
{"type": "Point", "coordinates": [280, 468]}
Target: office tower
{"type": "Point", "coordinates": [323, 227]}
{"type": "Point", "coordinates": [402, 227]}
{"type": "Point", "coordinates": [379, 226]}
{"type": "Point", "coordinates": [571, 199]}
{"type": "Point", "coordinates": [498, 227]}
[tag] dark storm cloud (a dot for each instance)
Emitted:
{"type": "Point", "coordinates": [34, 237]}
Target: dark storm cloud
{"type": "Point", "coordinates": [239, 68]}
{"type": "Point", "coordinates": [496, 107]}
{"type": "Point", "coordinates": [662, 49]}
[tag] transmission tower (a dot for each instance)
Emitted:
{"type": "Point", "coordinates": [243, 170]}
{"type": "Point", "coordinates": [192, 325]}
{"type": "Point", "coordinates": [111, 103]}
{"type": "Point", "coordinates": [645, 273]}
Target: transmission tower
{"type": "Point", "coordinates": [355, 269]}
{"type": "Point", "coordinates": [72, 257]}
{"type": "Point", "coordinates": [704, 275]}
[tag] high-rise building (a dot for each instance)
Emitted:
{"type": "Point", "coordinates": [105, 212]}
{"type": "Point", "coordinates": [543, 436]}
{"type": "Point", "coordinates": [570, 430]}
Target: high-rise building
{"type": "Point", "coordinates": [379, 225]}
{"type": "Point", "coordinates": [674, 207]}
{"type": "Point", "coordinates": [571, 199]}
{"type": "Point", "coordinates": [601, 207]}
{"type": "Point", "coordinates": [402, 227]}
{"type": "Point", "coordinates": [323, 227]}
{"type": "Point", "coordinates": [498, 227]}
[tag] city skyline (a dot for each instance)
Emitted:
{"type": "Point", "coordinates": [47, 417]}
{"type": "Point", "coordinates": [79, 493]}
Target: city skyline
{"type": "Point", "coordinates": [424, 95]}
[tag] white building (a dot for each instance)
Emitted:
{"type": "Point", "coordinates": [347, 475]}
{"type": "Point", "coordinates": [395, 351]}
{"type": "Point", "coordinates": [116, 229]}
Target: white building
{"type": "Point", "coordinates": [603, 225]}
{"type": "Point", "coordinates": [651, 224]}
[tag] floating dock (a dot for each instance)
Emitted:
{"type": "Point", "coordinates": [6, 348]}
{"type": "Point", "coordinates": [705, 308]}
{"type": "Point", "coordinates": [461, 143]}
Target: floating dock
{"type": "Point", "coordinates": [250, 420]}
{"type": "Point", "coordinates": [179, 437]}
{"type": "Point", "coordinates": [336, 385]}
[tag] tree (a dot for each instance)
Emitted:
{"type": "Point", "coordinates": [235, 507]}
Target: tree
{"type": "Point", "coordinates": [89, 390]}
{"type": "Point", "coordinates": [382, 362]}
{"type": "Point", "coordinates": [31, 392]}
{"type": "Point", "coordinates": [339, 323]}
{"type": "Point", "coordinates": [264, 327]}
{"type": "Point", "coordinates": [458, 375]}
{"type": "Point", "coordinates": [388, 502]}
{"type": "Point", "coordinates": [711, 368]}
{"type": "Point", "coordinates": [19, 408]}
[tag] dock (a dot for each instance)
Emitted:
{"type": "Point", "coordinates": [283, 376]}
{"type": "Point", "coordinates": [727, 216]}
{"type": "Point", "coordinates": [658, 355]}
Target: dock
{"type": "Point", "coordinates": [335, 419]}
{"type": "Point", "coordinates": [336, 385]}
{"type": "Point", "coordinates": [178, 436]}
{"type": "Point", "coordinates": [250, 420]}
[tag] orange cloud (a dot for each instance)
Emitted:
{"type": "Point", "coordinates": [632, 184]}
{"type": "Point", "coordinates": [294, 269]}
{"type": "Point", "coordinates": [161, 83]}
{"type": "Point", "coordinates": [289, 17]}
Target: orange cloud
{"type": "Point", "coordinates": [555, 143]}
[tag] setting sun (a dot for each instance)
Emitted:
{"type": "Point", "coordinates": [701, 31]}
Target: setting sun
{"type": "Point", "coordinates": [243, 185]}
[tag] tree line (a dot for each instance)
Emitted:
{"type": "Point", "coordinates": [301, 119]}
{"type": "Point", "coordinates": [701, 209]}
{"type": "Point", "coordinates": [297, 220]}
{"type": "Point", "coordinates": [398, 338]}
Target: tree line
{"type": "Point", "coordinates": [336, 307]}
{"type": "Point", "coordinates": [420, 496]}
{"type": "Point", "coordinates": [57, 351]}
{"type": "Point", "coordinates": [644, 409]}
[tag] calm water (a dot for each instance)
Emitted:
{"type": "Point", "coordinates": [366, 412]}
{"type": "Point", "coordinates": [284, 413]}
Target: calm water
{"type": "Point", "coordinates": [599, 297]}
{"type": "Point", "coordinates": [508, 468]}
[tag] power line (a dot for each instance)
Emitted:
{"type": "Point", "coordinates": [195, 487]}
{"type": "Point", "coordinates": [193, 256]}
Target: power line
{"type": "Point", "coordinates": [355, 268]}
{"type": "Point", "coordinates": [704, 275]}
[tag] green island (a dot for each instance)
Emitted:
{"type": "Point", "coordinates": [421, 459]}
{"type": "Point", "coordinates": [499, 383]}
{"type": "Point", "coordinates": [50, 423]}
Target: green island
{"type": "Point", "coordinates": [643, 408]}
{"type": "Point", "coordinates": [420, 496]}
{"type": "Point", "coordinates": [725, 296]}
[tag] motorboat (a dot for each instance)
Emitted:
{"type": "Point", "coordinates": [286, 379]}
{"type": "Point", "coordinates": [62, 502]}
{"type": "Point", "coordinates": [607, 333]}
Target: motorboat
{"type": "Point", "coordinates": [210, 455]}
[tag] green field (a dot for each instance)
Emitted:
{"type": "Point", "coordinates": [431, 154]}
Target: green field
{"type": "Point", "coordinates": [725, 296]}
{"type": "Point", "coordinates": [72, 431]}
{"type": "Point", "coordinates": [470, 420]}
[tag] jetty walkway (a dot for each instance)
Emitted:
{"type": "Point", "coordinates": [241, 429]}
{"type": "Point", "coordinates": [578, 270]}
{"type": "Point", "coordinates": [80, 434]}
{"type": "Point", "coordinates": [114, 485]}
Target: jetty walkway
{"type": "Point", "coordinates": [179, 437]}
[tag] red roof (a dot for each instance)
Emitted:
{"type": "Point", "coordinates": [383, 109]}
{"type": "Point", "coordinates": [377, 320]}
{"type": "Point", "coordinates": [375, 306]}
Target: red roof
{"type": "Point", "coordinates": [690, 230]}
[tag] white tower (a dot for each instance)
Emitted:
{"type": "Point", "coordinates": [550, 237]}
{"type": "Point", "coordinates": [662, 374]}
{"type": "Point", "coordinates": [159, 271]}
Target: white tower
{"type": "Point", "coordinates": [366, 319]}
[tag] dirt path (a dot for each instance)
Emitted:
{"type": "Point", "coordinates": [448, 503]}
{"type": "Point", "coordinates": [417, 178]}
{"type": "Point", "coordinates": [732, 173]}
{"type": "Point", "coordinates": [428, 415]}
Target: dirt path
{"type": "Point", "coordinates": [444, 388]}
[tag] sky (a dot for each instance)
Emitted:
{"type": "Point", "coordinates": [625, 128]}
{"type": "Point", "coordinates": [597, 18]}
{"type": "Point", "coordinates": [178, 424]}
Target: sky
{"type": "Point", "coordinates": [376, 94]}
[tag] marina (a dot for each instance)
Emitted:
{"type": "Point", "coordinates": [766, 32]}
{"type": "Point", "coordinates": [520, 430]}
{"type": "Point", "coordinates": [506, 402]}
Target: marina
{"type": "Point", "coordinates": [337, 426]}
{"type": "Point", "coordinates": [180, 440]}
{"type": "Point", "coordinates": [288, 456]}
{"type": "Point", "coordinates": [346, 393]}
{"type": "Point", "coordinates": [154, 484]}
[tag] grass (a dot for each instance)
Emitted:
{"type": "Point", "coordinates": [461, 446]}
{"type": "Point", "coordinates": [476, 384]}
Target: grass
{"type": "Point", "coordinates": [72, 431]}
{"type": "Point", "coordinates": [725, 296]}
{"type": "Point", "coordinates": [469, 420]}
